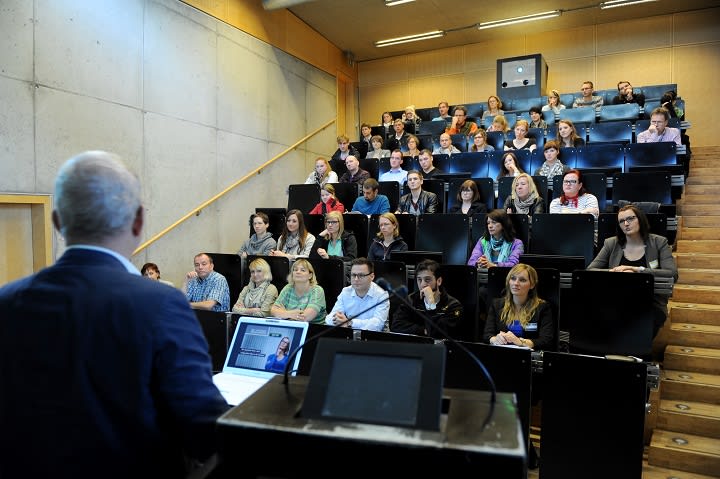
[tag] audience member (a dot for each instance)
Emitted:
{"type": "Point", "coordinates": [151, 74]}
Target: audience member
{"type": "Point", "coordinates": [587, 99]}
{"type": "Point", "coordinates": [354, 173]}
{"type": "Point", "coordinates": [322, 174]}
{"type": "Point", "coordinates": [494, 108]}
{"type": "Point", "coordinates": [386, 121]}
{"type": "Point", "coordinates": [525, 198]}
{"type": "Point", "coordinates": [295, 240]}
{"type": "Point", "coordinates": [261, 243]}
{"type": "Point", "coordinates": [432, 306]}
{"type": "Point", "coordinates": [521, 142]}
{"type": "Point", "coordinates": [152, 271]}
{"type": "Point", "coordinates": [553, 103]}
{"type": "Point", "coordinates": [426, 163]}
{"type": "Point", "coordinates": [344, 149]}
{"type": "Point", "coordinates": [258, 296]}
{"type": "Point", "coordinates": [328, 202]}
{"type": "Point", "coordinates": [480, 142]}
{"type": "Point", "coordinates": [521, 318]}
{"type": "Point", "coordinates": [536, 118]}
{"type": "Point", "coordinates": [399, 138]}
{"type": "Point", "coordinates": [460, 124]}
{"type": "Point", "coordinates": [371, 202]}
{"type": "Point", "coordinates": [302, 298]}
{"type": "Point", "coordinates": [204, 287]}
{"type": "Point", "coordinates": [634, 249]}
{"type": "Point", "coordinates": [104, 373]}
{"type": "Point", "coordinates": [410, 118]}
{"type": "Point", "coordinates": [669, 102]}
{"type": "Point", "coordinates": [412, 147]}
{"type": "Point", "coordinates": [363, 304]}
{"type": "Point", "coordinates": [500, 124]}
{"type": "Point", "coordinates": [510, 166]}
{"type": "Point", "coordinates": [377, 150]}
{"type": "Point", "coordinates": [498, 245]}
{"type": "Point", "coordinates": [396, 172]}
{"type": "Point", "coordinates": [278, 361]}
{"type": "Point", "coordinates": [575, 198]}
{"type": "Point", "coordinates": [468, 200]}
{"type": "Point", "coordinates": [446, 147]}
{"type": "Point", "coordinates": [567, 135]}
{"type": "Point", "coordinates": [552, 165]}
{"type": "Point", "coordinates": [658, 129]}
{"type": "Point", "coordinates": [387, 240]}
{"type": "Point", "coordinates": [336, 241]}
{"type": "Point", "coordinates": [366, 136]}
{"type": "Point", "coordinates": [443, 108]}
{"type": "Point", "coordinates": [418, 201]}
{"type": "Point", "coordinates": [627, 95]}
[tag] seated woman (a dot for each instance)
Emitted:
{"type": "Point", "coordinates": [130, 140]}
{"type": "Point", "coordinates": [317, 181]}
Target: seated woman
{"type": "Point", "coordinates": [295, 240]}
{"type": "Point", "coordinates": [387, 240]}
{"type": "Point", "coordinates": [498, 245]}
{"type": "Point", "coordinates": [567, 136]}
{"type": "Point", "coordinates": [258, 296]}
{"type": "Point", "coordinates": [553, 103]}
{"type": "Point", "coordinates": [468, 200]}
{"type": "Point", "coordinates": [521, 141]}
{"type": "Point", "coordinates": [411, 118]}
{"type": "Point", "coordinates": [335, 241]}
{"type": "Point", "coordinates": [525, 198]}
{"type": "Point", "coordinates": [521, 318]}
{"type": "Point", "coordinates": [494, 108]}
{"type": "Point", "coordinates": [152, 271]}
{"type": "Point", "coordinates": [575, 198]}
{"type": "Point", "coordinates": [499, 124]}
{"type": "Point", "coordinates": [480, 142]}
{"type": "Point", "coordinates": [302, 299]}
{"type": "Point", "coordinates": [322, 174]}
{"type": "Point", "coordinates": [277, 362]}
{"type": "Point", "coordinates": [328, 201]}
{"type": "Point", "coordinates": [552, 165]}
{"type": "Point", "coordinates": [634, 249]}
{"type": "Point", "coordinates": [261, 243]}
{"type": "Point", "coordinates": [377, 148]}
{"type": "Point", "coordinates": [412, 143]}
{"type": "Point", "coordinates": [510, 166]}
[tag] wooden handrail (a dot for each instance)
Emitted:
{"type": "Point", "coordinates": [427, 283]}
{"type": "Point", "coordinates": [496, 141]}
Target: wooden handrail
{"type": "Point", "coordinates": [229, 188]}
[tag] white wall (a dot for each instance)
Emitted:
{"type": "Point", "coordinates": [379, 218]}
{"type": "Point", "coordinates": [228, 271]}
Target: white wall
{"type": "Point", "coordinates": [191, 103]}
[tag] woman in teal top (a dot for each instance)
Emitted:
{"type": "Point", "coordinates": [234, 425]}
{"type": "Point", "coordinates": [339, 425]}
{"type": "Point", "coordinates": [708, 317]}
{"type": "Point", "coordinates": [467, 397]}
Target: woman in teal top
{"type": "Point", "coordinates": [302, 299]}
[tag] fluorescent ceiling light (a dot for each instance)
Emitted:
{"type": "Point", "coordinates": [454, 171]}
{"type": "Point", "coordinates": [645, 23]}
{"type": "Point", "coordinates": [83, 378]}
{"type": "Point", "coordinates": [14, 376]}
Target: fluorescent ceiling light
{"type": "Point", "coordinates": [622, 3]}
{"type": "Point", "coordinates": [410, 38]}
{"type": "Point", "coordinates": [392, 3]}
{"type": "Point", "coordinates": [514, 20]}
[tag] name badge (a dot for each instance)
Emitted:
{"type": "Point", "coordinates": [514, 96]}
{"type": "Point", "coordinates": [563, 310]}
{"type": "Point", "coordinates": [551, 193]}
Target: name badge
{"type": "Point", "coordinates": [654, 264]}
{"type": "Point", "coordinates": [531, 327]}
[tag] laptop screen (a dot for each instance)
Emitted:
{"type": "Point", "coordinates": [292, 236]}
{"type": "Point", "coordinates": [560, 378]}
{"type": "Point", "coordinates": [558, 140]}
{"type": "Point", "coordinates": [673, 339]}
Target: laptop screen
{"type": "Point", "coordinates": [261, 346]}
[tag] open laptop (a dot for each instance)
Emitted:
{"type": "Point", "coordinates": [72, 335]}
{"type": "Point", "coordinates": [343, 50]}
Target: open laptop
{"type": "Point", "coordinates": [247, 367]}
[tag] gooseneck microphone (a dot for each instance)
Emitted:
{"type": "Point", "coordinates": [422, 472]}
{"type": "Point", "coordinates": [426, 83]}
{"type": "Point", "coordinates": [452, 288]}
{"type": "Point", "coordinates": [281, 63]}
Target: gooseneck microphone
{"type": "Point", "coordinates": [383, 283]}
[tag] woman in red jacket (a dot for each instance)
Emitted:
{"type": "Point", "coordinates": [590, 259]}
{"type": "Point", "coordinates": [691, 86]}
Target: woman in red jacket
{"type": "Point", "coordinates": [329, 201]}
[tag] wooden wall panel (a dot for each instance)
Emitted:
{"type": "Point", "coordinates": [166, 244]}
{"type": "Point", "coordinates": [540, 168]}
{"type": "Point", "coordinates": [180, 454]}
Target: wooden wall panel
{"type": "Point", "coordinates": [651, 68]}
{"type": "Point", "coordinates": [697, 27]}
{"type": "Point", "coordinates": [307, 44]}
{"type": "Point", "coordinates": [645, 34]}
{"type": "Point", "coordinates": [430, 91]}
{"type": "Point", "coordinates": [374, 101]}
{"type": "Point", "coordinates": [478, 84]}
{"type": "Point", "coordinates": [16, 255]}
{"type": "Point", "coordinates": [567, 76]}
{"type": "Point", "coordinates": [563, 44]}
{"type": "Point", "coordinates": [483, 56]}
{"type": "Point", "coordinates": [380, 72]}
{"type": "Point", "coordinates": [448, 61]}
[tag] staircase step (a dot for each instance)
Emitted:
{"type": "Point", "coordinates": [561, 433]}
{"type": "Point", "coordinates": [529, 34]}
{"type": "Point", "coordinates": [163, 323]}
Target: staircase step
{"type": "Point", "coordinates": [699, 233]}
{"type": "Point", "coordinates": [697, 276]}
{"type": "Point", "coordinates": [694, 313]}
{"type": "Point", "coordinates": [685, 452]}
{"type": "Point", "coordinates": [697, 260]}
{"type": "Point", "coordinates": [691, 293]}
{"type": "Point", "coordinates": [701, 419]}
{"type": "Point", "coordinates": [691, 358]}
{"type": "Point", "coordinates": [712, 189]}
{"type": "Point", "coordinates": [696, 199]}
{"type": "Point", "coordinates": [690, 386]}
{"type": "Point", "coordinates": [696, 178]}
{"type": "Point", "coordinates": [655, 472]}
{"type": "Point", "coordinates": [703, 209]}
{"type": "Point", "coordinates": [695, 335]}
{"type": "Point", "coordinates": [704, 171]}
{"type": "Point", "coordinates": [704, 221]}
{"type": "Point", "coordinates": [704, 162]}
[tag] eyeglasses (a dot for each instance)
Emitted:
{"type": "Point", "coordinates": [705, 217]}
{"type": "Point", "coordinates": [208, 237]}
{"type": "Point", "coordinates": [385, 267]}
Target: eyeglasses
{"type": "Point", "coordinates": [570, 182]}
{"type": "Point", "coordinates": [359, 275]}
{"type": "Point", "coordinates": [332, 222]}
{"type": "Point", "coordinates": [629, 219]}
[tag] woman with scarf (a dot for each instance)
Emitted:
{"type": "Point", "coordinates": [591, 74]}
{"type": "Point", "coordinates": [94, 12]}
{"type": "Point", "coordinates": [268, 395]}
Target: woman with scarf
{"type": "Point", "coordinates": [498, 246]}
{"type": "Point", "coordinates": [295, 240]}
{"type": "Point", "coordinates": [524, 198]}
{"type": "Point", "coordinates": [261, 243]}
{"type": "Point", "coordinates": [322, 173]}
{"type": "Point", "coordinates": [575, 199]}
{"type": "Point", "coordinates": [552, 165]}
{"type": "Point", "coordinates": [258, 296]}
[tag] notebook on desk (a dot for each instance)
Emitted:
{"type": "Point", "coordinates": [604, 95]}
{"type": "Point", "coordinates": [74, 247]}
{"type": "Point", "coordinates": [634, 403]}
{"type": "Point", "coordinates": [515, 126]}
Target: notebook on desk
{"type": "Point", "coordinates": [250, 361]}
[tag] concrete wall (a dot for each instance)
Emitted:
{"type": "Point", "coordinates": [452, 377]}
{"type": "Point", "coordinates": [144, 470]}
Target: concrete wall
{"type": "Point", "coordinates": [191, 103]}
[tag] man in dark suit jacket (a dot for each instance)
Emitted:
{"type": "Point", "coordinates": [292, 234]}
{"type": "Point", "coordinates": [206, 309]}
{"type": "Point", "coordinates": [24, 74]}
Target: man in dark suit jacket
{"type": "Point", "coordinates": [103, 372]}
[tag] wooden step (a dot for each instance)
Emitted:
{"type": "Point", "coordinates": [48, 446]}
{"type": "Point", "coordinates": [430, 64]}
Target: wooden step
{"type": "Point", "coordinates": [697, 260]}
{"type": "Point", "coordinates": [696, 199]}
{"type": "Point", "coordinates": [698, 179]}
{"type": "Point", "coordinates": [691, 293]}
{"type": "Point", "coordinates": [655, 472]}
{"type": "Point", "coordinates": [690, 386]}
{"type": "Point", "coordinates": [684, 451]}
{"type": "Point", "coordinates": [705, 209]}
{"type": "Point", "coordinates": [695, 221]}
{"type": "Point", "coordinates": [701, 419]}
{"type": "Point", "coordinates": [708, 277]}
{"type": "Point", "coordinates": [691, 358]}
{"type": "Point", "coordinates": [694, 313]}
{"type": "Point", "coordinates": [704, 171]}
{"type": "Point", "coordinates": [696, 189]}
{"type": "Point", "coordinates": [710, 162]}
{"type": "Point", "coordinates": [709, 233]}
{"type": "Point", "coordinates": [695, 335]}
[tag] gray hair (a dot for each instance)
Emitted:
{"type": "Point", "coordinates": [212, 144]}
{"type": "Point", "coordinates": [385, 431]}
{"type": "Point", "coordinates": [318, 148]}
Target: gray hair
{"type": "Point", "coordinates": [96, 196]}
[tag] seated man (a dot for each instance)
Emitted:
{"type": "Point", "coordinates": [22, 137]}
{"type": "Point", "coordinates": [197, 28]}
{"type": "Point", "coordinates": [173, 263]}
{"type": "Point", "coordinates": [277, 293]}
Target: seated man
{"type": "Point", "coordinates": [345, 149]}
{"type": "Point", "coordinates": [658, 129]}
{"type": "Point", "coordinates": [426, 163]}
{"type": "Point", "coordinates": [459, 123]}
{"type": "Point", "coordinates": [627, 95]}
{"type": "Point", "coordinates": [418, 201]}
{"type": "Point", "coordinates": [206, 288]}
{"type": "Point", "coordinates": [443, 108]}
{"type": "Point", "coordinates": [355, 299]}
{"type": "Point", "coordinates": [446, 147]}
{"type": "Point", "coordinates": [434, 312]}
{"type": "Point", "coordinates": [371, 203]}
{"type": "Point", "coordinates": [354, 173]}
{"type": "Point", "coordinates": [587, 98]}
{"type": "Point", "coordinates": [399, 139]}
{"type": "Point", "coordinates": [396, 173]}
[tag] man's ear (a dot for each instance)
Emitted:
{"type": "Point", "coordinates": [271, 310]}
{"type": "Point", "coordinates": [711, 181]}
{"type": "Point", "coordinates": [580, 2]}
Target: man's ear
{"type": "Point", "coordinates": [138, 222]}
{"type": "Point", "coordinates": [439, 281]}
{"type": "Point", "coordinates": [56, 220]}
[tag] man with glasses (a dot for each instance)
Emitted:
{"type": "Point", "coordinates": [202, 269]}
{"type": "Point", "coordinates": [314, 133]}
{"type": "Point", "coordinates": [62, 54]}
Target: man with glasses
{"type": "Point", "coordinates": [460, 123]}
{"type": "Point", "coordinates": [658, 130]}
{"type": "Point", "coordinates": [587, 98]}
{"type": "Point", "coordinates": [362, 294]}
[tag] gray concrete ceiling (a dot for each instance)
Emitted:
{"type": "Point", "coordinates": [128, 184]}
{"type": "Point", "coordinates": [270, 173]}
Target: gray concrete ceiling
{"type": "Point", "coordinates": [354, 25]}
